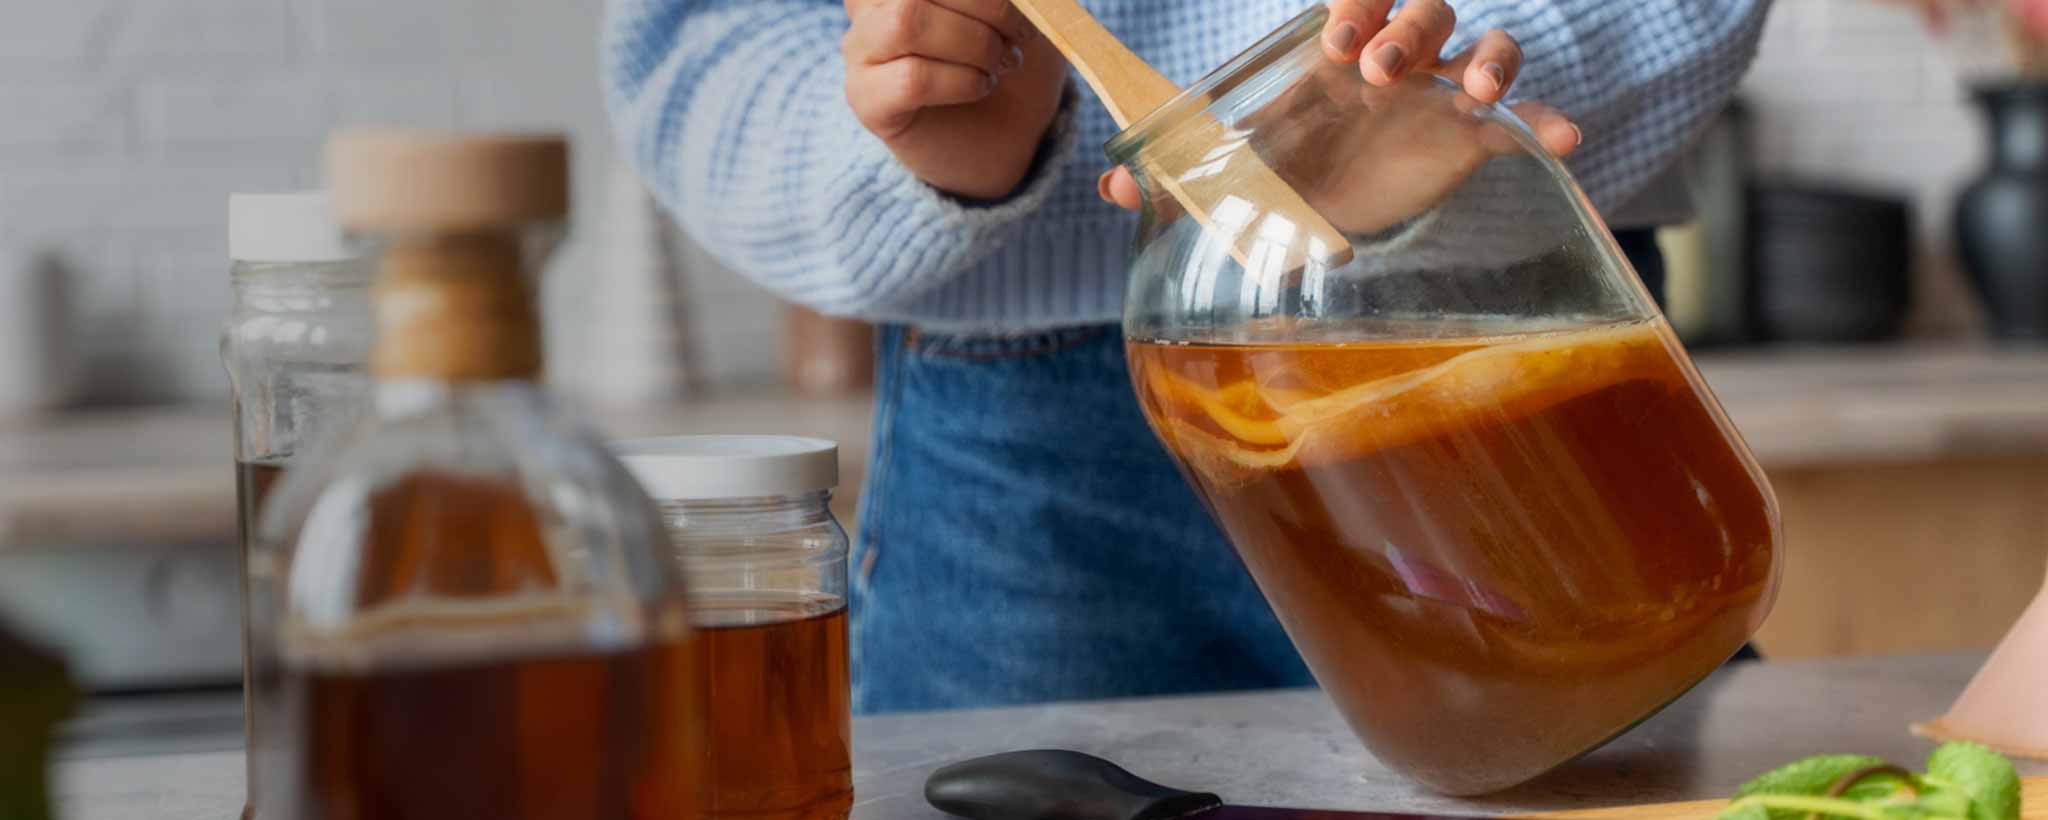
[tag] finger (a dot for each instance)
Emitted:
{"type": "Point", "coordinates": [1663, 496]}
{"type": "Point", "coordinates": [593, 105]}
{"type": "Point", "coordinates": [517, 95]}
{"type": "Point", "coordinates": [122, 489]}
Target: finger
{"type": "Point", "coordinates": [1117, 187]}
{"type": "Point", "coordinates": [997, 14]}
{"type": "Point", "coordinates": [1553, 129]}
{"type": "Point", "coordinates": [1412, 38]}
{"type": "Point", "coordinates": [1488, 69]}
{"type": "Point", "coordinates": [918, 28]}
{"type": "Point", "coordinates": [1351, 24]}
{"type": "Point", "coordinates": [887, 97]}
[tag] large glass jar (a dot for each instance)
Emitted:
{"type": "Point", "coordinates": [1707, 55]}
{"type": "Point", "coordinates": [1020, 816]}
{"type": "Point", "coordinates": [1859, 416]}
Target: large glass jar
{"type": "Point", "coordinates": [1468, 462]}
{"type": "Point", "coordinates": [295, 344]}
{"type": "Point", "coordinates": [750, 519]}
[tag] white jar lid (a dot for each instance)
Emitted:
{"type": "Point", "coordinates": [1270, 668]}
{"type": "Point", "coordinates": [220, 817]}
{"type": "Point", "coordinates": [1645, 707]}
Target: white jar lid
{"type": "Point", "coordinates": [283, 228]}
{"type": "Point", "coordinates": [687, 468]}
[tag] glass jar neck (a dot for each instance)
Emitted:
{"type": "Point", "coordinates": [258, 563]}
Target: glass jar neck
{"type": "Point", "coordinates": [398, 398]}
{"type": "Point", "coordinates": [754, 515]}
{"type": "Point", "coordinates": [299, 287]}
{"type": "Point", "coordinates": [460, 307]}
{"type": "Point", "coordinates": [1245, 83]}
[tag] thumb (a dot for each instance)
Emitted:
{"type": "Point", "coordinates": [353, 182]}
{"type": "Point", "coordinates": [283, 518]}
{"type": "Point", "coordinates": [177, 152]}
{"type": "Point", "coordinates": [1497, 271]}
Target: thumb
{"type": "Point", "coordinates": [1116, 187]}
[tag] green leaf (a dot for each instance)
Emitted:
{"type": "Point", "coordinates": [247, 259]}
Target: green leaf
{"type": "Point", "coordinates": [1916, 811]}
{"type": "Point", "coordinates": [1810, 777]}
{"type": "Point", "coordinates": [1945, 802]}
{"type": "Point", "coordinates": [1879, 786]}
{"type": "Point", "coordinates": [1989, 780]}
{"type": "Point", "coordinates": [1744, 811]}
{"type": "Point", "coordinates": [1802, 806]}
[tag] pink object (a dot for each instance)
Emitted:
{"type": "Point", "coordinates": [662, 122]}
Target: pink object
{"type": "Point", "coordinates": [2032, 14]}
{"type": "Point", "coordinates": [2006, 706]}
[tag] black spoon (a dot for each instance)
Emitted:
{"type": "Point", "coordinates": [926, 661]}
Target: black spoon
{"type": "Point", "coordinates": [1049, 784]}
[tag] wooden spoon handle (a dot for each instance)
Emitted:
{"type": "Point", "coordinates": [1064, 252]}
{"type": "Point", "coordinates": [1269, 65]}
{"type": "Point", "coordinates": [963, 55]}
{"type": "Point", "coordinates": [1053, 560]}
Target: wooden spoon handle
{"type": "Point", "coordinates": [1129, 87]}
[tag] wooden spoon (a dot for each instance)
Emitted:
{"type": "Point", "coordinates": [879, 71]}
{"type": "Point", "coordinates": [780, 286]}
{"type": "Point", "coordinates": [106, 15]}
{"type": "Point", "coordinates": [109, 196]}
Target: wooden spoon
{"type": "Point", "coordinates": [1130, 89]}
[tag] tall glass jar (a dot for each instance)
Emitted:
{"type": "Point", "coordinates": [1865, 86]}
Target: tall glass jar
{"type": "Point", "coordinates": [1466, 459]}
{"type": "Point", "coordinates": [295, 345]}
{"type": "Point", "coordinates": [464, 602]}
{"type": "Point", "coordinates": [751, 523]}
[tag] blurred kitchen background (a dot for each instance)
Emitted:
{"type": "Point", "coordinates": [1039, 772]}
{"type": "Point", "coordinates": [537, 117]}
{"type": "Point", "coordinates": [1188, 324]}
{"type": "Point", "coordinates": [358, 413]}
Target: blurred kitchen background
{"type": "Point", "coordinates": [1823, 290]}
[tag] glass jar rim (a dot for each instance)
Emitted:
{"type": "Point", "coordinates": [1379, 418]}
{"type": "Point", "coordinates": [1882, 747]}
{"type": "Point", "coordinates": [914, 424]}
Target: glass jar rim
{"type": "Point", "coordinates": [766, 502]}
{"type": "Point", "coordinates": [1243, 69]}
{"type": "Point", "coordinates": [1281, 56]}
{"type": "Point", "coordinates": [353, 272]}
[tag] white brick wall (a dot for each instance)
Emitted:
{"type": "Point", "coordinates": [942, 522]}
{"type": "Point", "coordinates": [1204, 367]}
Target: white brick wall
{"type": "Point", "coordinates": [126, 123]}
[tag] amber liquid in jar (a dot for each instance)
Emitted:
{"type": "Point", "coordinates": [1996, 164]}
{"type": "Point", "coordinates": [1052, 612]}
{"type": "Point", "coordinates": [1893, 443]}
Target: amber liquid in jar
{"type": "Point", "coordinates": [557, 730]}
{"type": "Point", "coordinates": [551, 737]}
{"type": "Point", "coordinates": [778, 723]}
{"type": "Point", "coordinates": [253, 480]}
{"type": "Point", "coordinates": [1503, 550]}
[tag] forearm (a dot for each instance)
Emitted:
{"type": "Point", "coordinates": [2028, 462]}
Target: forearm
{"type": "Point", "coordinates": [733, 111]}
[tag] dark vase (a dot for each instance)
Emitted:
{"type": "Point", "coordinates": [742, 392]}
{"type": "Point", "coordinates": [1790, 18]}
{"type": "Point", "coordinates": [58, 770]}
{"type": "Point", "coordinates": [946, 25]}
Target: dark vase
{"type": "Point", "coordinates": [2002, 216]}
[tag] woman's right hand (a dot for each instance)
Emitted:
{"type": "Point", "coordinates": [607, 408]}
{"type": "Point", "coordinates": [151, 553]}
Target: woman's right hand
{"type": "Point", "coordinates": [961, 91]}
{"type": "Point", "coordinates": [1388, 46]}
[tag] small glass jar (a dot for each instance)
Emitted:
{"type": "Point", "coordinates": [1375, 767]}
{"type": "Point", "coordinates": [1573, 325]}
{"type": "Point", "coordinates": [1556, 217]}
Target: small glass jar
{"type": "Point", "coordinates": [295, 345]}
{"type": "Point", "coordinates": [751, 522]}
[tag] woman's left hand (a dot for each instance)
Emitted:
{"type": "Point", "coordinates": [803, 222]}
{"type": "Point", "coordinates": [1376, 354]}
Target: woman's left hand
{"type": "Point", "coordinates": [1387, 49]}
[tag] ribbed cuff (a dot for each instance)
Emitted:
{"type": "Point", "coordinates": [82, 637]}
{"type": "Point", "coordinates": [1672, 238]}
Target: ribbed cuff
{"type": "Point", "coordinates": [1053, 149]}
{"type": "Point", "coordinates": [900, 237]}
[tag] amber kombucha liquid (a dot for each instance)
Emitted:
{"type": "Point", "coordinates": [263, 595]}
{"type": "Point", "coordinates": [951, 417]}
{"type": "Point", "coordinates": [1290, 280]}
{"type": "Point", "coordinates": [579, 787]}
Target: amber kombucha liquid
{"type": "Point", "coordinates": [779, 719]}
{"type": "Point", "coordinates": [1494, 552]}
{"type": "Point", "coordinates": [468, 680]}
{"type": "Point", "coordinates": [551, 737]}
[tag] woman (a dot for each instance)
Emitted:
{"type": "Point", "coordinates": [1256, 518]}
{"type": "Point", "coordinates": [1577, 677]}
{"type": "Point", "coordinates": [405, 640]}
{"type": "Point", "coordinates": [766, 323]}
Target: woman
{"type": "Point", "coordinates": [915, 163]}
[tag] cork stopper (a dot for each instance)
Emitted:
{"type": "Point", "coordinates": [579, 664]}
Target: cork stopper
{"type": "Point", "coordinates": [410, 182]}
{"type": "Point", "coordinates": [457, 215]}
{"type": "Point", "coordinates": [455, 308]}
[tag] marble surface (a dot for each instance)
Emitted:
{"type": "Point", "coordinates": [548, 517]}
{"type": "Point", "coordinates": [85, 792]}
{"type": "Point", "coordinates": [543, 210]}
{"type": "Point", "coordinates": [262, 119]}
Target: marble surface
{"type": "Point", "coordinates": [1270, 748]}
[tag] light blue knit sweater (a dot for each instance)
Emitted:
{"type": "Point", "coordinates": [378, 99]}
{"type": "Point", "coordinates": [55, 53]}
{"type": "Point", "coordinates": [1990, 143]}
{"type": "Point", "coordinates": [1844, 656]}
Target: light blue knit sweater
{"type": "Point", "coordinates": [734, 112]}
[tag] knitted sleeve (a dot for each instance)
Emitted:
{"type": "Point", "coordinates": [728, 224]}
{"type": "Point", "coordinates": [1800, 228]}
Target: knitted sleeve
{"type": "Point", "coordinates": [1642, 78]}
{"type": "Point", "coordinates": [734, 112]}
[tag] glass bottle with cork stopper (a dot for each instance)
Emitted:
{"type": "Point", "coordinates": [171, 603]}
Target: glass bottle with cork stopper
{"type": "Point", "coordinates": [465, 597]}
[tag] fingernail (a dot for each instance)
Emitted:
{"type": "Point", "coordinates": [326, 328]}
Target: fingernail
{"type": "Point", "coordinates": [1578, 137]}
{"type": "Point", "coordinates": [1388, 58]}
{"type": "Point", "coordinates": [1341, 38]}
{"type": "Point", "coordinates": [1012, 59]}
{"type": "Point", "coordinates": [1499, 75]}
{"type": "Point", "coordinates": [988, 84]}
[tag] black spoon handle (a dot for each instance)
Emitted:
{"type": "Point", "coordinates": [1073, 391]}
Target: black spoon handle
{"type": "Point", "coordinates": [1049, 784]}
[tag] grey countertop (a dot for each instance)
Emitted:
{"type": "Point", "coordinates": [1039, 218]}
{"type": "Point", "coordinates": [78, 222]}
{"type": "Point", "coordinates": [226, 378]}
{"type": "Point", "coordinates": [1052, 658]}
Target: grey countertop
{"type": "Point", "coordinates": [162, 474]}
{"type": "Point", "coordinates": [1269, 748]}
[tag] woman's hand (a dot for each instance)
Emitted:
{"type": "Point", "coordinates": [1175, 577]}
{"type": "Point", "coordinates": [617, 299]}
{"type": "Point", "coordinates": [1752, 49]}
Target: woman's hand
{"type": "Point", "coordinates": [961, 91]}
{"type": "Point", "coordinates": [1386, 50]}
